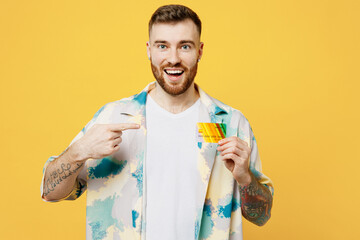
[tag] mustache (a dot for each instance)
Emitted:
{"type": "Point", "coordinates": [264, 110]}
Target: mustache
{"type": "Point", "coordinates": [177, 65]}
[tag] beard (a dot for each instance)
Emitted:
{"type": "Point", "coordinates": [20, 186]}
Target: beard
{"type": "Point", "coordinates": [175, 89]}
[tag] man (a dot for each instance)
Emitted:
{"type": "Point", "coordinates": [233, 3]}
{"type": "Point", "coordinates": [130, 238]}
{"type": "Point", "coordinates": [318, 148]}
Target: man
{"type": "Point", "coordinates": [146, 171]}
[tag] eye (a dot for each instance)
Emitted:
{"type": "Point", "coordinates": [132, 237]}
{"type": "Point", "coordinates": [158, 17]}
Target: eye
{"type": "Point", "coordinates": [161, 46]}
{"type": "Point", "coordinates": [185, 47]}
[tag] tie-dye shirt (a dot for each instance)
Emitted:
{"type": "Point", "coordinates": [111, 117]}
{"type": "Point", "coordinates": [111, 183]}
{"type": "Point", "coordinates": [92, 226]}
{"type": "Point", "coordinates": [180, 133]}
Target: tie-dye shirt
{"type": "Point", "coordinates": [116, 185]}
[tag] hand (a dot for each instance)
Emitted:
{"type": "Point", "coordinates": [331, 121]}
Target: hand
{"type": "Point", "coordinates": [236, 153]}
{"type": "Point", "coordinates": [102, 140]}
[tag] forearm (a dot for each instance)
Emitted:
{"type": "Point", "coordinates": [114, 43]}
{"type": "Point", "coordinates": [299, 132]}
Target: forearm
{"type": "Point", "coordinates": [61, 174]}
{"type": "Point", "coordinates": [256, 202]}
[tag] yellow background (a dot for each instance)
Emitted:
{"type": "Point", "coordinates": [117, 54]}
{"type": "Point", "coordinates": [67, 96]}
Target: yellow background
{"type": "Point", "coordinates": [292, 67]}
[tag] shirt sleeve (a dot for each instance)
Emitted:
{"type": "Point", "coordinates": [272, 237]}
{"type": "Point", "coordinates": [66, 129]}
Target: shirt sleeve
{"type": "Point", "coordinates": [255, 164]}
{"type": "Point", "coordinates": [245, 133]}
{"type": "Point", "coordinates": [81, 181]}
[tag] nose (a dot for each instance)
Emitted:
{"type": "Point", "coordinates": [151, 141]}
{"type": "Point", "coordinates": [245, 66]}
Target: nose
{"type": "Point", "coordinates": [173, 57]}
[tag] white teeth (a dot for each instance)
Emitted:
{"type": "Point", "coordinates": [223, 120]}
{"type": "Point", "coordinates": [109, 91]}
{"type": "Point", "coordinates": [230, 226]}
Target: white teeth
{"type": "Point", "coordinates": [173, 71]}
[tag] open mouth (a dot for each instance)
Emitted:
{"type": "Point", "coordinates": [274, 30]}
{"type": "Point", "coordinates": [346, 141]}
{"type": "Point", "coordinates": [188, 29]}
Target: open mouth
{"type": "Point", "coordinates": [173, 73]}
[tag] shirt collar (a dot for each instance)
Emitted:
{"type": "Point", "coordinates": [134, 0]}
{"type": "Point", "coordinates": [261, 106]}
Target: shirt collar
{"type": "Point", "coordinates": [214, 106]}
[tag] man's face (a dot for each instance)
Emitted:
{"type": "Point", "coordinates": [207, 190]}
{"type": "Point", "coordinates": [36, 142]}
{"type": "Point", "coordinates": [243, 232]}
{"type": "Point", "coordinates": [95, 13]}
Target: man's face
{"type": "Point", "coordinates": [174, 50]}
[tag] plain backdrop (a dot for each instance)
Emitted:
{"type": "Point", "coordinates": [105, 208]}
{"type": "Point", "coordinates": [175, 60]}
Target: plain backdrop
{"type": "Point", "coordinates": [292, 67]}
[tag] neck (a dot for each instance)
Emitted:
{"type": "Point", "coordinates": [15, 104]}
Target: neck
{"type": "Point", "coordinates": [174, 104]}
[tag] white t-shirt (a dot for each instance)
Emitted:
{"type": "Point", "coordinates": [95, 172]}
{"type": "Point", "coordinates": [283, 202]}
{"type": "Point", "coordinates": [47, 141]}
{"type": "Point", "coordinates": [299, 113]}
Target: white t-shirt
{"type": "Point", "coordinates": [171, 170]}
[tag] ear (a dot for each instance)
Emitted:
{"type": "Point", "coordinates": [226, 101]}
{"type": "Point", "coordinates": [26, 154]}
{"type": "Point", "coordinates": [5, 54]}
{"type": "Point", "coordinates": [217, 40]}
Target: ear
{"type": "Point", "coordinates": [148, 49]}
{"type": "Point", "coordinates": [201, 47]}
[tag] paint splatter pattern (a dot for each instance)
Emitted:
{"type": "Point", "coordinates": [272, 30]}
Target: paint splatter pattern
{"type": "Point", "coordinates": [115, 184]}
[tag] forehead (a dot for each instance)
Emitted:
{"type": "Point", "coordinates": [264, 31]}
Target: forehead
{"type": "Point", "coordinates": [184, 30]}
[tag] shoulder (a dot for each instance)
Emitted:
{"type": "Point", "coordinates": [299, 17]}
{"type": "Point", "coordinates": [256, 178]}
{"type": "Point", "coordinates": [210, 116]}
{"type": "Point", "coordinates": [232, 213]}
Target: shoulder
{"type": "Point", "coordinates": [124, 103]}
{"type": "Point", "coordinates": [234, 113]}
{"type": "Point", "coordinates": [128, 105]}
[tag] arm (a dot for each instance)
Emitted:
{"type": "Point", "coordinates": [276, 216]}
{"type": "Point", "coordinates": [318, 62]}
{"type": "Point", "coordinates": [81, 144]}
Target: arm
{"type": "Point", "coordinates": [61, 174]}
{"type": "Point", "coordinates": [99, 141]}
{"type": "Point", "coordinates": [256, 201]}
{"type": "Point", "coordinates": [256, 198]}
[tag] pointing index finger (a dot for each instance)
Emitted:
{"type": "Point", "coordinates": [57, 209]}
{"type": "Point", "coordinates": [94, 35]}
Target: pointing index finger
{"type": "Point", "coordinates": [123, 126]}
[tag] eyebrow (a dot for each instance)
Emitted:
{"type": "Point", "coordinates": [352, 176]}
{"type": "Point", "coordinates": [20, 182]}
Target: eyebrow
{"type": "Point", "coordinates": [181, 42]}
{"type": "Point", "coordinates": [187, 41]}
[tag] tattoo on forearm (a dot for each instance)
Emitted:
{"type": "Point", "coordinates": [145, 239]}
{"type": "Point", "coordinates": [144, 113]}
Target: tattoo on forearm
{"type": "Point", "coordinates": [256, 202]}
{"type": "Point", "coordinates": [57, 176]}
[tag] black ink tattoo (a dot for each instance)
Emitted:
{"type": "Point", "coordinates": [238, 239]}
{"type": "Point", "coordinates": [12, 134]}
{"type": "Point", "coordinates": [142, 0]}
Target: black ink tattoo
{"type": "Point", "coordinates": [256, 202]}
{"type": "Point", "coordinates": [56, 177]}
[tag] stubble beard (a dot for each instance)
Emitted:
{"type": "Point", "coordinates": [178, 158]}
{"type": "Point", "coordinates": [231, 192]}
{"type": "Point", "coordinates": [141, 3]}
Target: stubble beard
{"type": "Point", "coordinates": [175, 89]}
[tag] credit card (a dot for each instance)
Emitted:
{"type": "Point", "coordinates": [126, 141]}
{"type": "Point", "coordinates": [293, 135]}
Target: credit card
{"type": "Point", "coordinates": [210, 132]}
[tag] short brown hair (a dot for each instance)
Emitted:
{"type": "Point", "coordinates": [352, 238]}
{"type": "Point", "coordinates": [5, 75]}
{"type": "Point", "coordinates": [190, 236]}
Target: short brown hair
{"type": "Point", "coordinates": [173, 14]}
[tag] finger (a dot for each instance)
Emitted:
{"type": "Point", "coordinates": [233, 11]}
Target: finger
{"type": "Point", "coordinates": [231, 156]}
{"type": "Point", "coordinates": [237, 159]}
{"type": "Point", "coordinates": [227, 145]}
{"type": "Point", "coordinates": [234, 150]}
{"type": "Point", "coordinates": [241, 154]}
{"type": "Point", "coordinates": [241, 162]}
{"type": "Point", "coordinates": [116, 148]}
{"type": "Point", "coordinates": [116, 135]}
{"type": "Point", "coordinates": [117, 141]}
{"type": "Point", "coordinates": [232, 138]}
{"type": "Point", "coordinates": [238, 143]}
{"type": "Point", "coordinates": [123, 126]}
{"type": "Point", "coordinates": [228, 139]}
